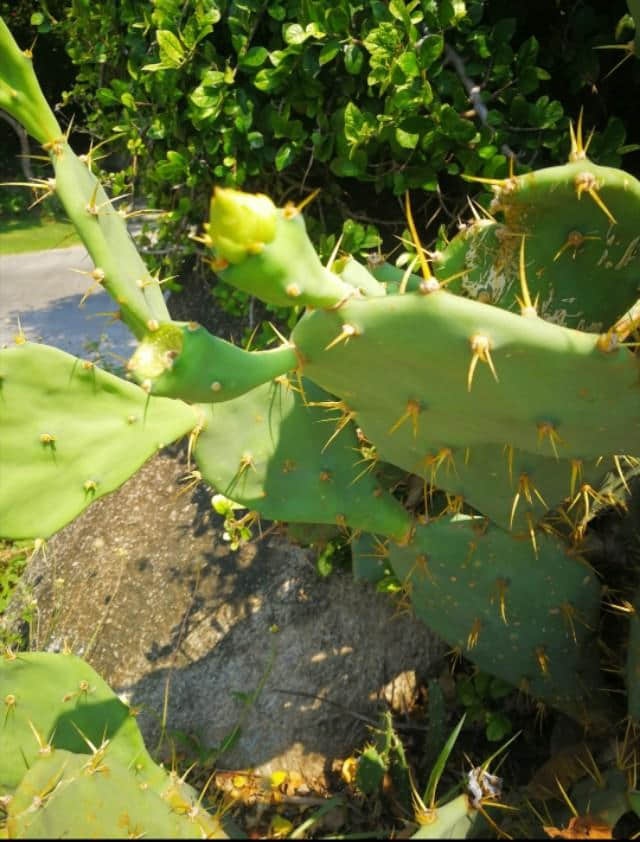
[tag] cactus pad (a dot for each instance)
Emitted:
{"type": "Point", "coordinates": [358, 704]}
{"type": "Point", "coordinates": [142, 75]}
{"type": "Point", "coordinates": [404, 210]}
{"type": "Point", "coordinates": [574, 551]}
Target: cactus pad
{"type": "Point", "coordinates": [183, 360]}
{"type": "Point", "coordinates": [281, 266]}
{"type": "Point", "coordinates": [70, 434]}
{"type": "Point", "coordinates": [65, 795]}
{"type": "Point", "coordinates": [473, 584]}
{"type": "Point", "coordinates": [270, 451]}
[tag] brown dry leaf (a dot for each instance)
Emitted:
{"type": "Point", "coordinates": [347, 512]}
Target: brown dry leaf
{"type": "Point", "coordinates": [582, 827]}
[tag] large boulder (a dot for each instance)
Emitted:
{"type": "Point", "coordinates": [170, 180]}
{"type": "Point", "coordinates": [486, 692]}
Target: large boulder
{"type": "Point", "coordinates": [145, 587]}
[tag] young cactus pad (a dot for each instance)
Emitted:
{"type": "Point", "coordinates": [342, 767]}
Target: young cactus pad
{"type": "Point", "coordinates": [183, 360]}
{"type": "Point", "coordinates": [266, 252]}
{"type": "Point", "coordinates": [70, 434]}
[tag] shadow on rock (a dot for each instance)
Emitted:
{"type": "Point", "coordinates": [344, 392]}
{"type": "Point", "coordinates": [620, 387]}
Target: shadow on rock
{"type": "Point", "coordinates": [144, 586]}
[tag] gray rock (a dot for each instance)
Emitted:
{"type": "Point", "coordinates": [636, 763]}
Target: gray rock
{"type": "Point", "coordinates": [144, 586]}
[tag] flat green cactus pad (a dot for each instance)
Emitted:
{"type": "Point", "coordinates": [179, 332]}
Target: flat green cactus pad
{"type": "Point", "coordinates": [389, 351]}
{"type": "Point", "coordinates": [69, 434]}
{"type": "Point", "coordinates": [442, 385]}
{"type": "Point", "coordinates": [65, 795]}
{"type": "Point", "coordinates": [270, 451]}
{"type": "Point", "coordinates": [473, 584]}
{"type": "Point", "coordinates": [581, 227]}
{"type": "Point", "coordinates": [50, 698]}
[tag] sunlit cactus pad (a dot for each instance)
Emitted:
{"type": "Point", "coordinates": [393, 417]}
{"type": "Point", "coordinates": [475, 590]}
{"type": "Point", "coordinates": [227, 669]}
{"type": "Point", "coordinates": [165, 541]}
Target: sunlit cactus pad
{"type": "Point", "coordinates": [283, 452]}
{"type": "Point", "coordinates": [71, 433]}
{"type": "Point", "coordinates": [73, 762]}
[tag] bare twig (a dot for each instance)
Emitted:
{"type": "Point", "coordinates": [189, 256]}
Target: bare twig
{"type": "Point", "coordinates": [366, 719]}
{"type": "Point", "coordinates": [473, 90]}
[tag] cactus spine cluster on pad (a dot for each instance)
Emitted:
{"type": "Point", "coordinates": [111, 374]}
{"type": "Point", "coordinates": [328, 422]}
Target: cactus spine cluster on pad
{"type": "Point", "coordinates": [505, 379]}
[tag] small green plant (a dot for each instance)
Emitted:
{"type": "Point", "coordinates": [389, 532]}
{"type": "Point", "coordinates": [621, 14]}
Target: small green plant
{"type": "Point", "coordinates": [385, 755]}
{"type": "Point", "coordinates": [479, 694]}
{"type": "Point", "coordinates": [382, 767]}
{"type": "Point", "coordinates": [13, 560]}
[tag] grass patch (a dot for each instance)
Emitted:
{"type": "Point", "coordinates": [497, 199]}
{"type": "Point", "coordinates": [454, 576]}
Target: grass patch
{"type": "Point", "coordinates": [24, 234]}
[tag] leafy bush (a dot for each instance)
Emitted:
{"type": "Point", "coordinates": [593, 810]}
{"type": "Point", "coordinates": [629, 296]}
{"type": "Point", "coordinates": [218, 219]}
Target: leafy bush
{"type": "Point", "coordinates": [370, 98]}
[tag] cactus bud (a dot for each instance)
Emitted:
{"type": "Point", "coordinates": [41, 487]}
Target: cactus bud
{"type": "Point", "coordinates": [240, 223]}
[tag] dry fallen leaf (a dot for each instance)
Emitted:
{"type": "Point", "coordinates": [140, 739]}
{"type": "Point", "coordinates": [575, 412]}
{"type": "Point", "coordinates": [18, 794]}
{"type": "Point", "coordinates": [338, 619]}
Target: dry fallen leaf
{"type": "Point", "coordinates": [582, 827]}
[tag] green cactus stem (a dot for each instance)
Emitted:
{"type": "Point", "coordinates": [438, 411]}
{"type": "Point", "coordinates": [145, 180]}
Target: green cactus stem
{"type": "Point", "coordinates": [183, 360]}
{"type": "Point", "coordinates": [118, 266]}
{"type": "Point", "coordinates": [20, 92]}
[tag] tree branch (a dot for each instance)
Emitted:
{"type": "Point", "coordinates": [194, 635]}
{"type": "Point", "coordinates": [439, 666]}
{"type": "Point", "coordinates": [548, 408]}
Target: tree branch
{"type": "Point", "coordinates": [473, 90]}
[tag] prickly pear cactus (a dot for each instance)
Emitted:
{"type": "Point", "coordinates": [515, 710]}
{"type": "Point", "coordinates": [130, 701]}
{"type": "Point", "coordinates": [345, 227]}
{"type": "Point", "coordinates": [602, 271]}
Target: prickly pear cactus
{"type": "Point", "coordinates": [73, 761]}
{"type": "Point", "coordinates": [283, 443]}
{"type": "Point", "coordinates": [472, 582]}
{"type": "Point", "coordinates": [504, 404]}
{"type": "Point", "coordinates": [582, 272]}
{"type": "Point", "coordinates": [505, 380]}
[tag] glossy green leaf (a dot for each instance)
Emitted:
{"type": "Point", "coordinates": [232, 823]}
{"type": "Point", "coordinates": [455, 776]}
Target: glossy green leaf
{"type": "Point", "coordinates": [171, 50]}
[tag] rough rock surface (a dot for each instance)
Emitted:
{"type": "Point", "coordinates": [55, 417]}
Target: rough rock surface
{"type": "Point", "coordinates": [145, 587]}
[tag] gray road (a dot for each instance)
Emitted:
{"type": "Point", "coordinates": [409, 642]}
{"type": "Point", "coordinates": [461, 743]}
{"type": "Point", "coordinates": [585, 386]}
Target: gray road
{"type": "Point", "coordinates": [41, 290]}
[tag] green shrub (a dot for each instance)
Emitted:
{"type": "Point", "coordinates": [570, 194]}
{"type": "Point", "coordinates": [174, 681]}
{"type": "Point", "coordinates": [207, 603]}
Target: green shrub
{"type": "Point", "coordinates": [363, 99]}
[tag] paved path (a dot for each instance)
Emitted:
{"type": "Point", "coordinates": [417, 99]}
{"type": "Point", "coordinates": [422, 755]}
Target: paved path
{"type": "Point", "coordinates": [42, 290]}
